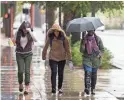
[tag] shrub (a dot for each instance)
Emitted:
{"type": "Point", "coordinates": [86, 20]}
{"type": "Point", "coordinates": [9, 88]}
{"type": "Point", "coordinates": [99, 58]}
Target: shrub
{"type": "Point", "coordinates": [106, 59]}
{"type": "Point", "coordinates": [76, 55]}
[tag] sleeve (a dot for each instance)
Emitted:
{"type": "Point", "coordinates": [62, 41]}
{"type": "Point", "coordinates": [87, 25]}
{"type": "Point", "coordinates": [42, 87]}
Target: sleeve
{"type": "Point", "coordinates": [44, 52]}
{"type": "Point", "coordinates": [68, 49]}
{"type": "Point", "coordinates": [32, 35]}
{"type": "Point", "coordinates": [101, 46]}
{"type": "Point", "coordinates": [82, 46]}
{"type": "Point", "coordinates": [14, 38]}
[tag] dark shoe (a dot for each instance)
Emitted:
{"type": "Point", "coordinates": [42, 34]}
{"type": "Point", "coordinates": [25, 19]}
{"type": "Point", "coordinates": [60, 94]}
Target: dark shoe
{"type": "Point", "coordinates": [60, 92]}
{"type": "Point", "coordinates": [26, 90]}
{"type": "Point", "coordinates": [53, 91]}
{"type": "Point", "coordinates": [93, 91]}
{"type": "Point", "coordinates": [87, 92]}
{"type": "Point", "coordinates": [25, 93]}
{"type": "Point", "coordinates": [20, 87]}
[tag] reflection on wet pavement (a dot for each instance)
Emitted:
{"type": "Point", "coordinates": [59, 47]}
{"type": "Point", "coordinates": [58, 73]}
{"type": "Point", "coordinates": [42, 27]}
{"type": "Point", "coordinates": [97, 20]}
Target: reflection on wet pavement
{"type": "Point", "coordinates": [40, 88]}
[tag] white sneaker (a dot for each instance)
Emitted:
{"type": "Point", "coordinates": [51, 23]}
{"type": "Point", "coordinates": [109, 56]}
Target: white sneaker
{"type": "Point", "coordinates": [60, 92]}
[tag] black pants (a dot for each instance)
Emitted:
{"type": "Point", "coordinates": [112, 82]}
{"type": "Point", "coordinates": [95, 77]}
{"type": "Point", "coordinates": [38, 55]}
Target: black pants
{"type": "Point", "coordinates": [54, 65]}
{"type": "Point", "coordinates": [90, 80]}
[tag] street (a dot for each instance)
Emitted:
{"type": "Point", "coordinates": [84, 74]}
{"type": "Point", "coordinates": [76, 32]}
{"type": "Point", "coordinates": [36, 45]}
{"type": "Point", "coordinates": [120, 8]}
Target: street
{"type": "Point", "coordinates": [113, 40]}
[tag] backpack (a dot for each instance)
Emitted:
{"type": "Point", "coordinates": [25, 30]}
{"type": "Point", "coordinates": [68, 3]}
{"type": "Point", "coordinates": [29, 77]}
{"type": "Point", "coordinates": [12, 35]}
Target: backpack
{"type": "Point", "coordinates": [62, 38]}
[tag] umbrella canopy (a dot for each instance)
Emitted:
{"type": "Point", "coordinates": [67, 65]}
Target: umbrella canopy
{"type": "Point", "coordinates": [83, 24]}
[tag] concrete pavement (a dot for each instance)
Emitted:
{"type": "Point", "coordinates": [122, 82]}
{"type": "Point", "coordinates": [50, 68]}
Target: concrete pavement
{"type": "Point", "coordinates": [40, 88]}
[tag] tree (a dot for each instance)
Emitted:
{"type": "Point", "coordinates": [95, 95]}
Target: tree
{"type": "Point", "coordinates": [105, 6]}
{"type": "Point", "coordinates": [19, 5]}
{"type": "Point", "coordinates": [50, 7]}
{"type": "Point", "coordinates": [73, 10]}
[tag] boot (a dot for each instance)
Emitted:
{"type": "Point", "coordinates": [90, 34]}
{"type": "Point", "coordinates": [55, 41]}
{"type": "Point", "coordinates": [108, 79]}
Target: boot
{"type": "Point", "coordinates": [93, 82]}
{"type": "Point", "coordinates": [53, 90]}
{"type": "Point", "coordinates": [87, 82]}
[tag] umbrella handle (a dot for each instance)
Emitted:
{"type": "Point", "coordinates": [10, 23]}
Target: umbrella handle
{"type": "Point", "coordinates": [83, 35]}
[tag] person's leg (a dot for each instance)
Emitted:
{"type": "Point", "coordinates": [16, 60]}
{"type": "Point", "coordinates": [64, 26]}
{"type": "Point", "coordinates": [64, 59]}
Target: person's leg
{"type": "Point", "coordinates": [53, 66]}
{"type": "Point", "coordinates": [61, 65]}
{"type": "Point", "coordinates": [27, 60]}
{"type": "Point", "coordinates": [93, 80]}
{"type": "Point", "coordinates": [87, 79]}
{"type": "Point", "coordinates": [20, 64]}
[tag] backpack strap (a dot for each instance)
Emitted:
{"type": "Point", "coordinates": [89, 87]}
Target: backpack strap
{"type": "Point", "coordinates": [63, 39]}
{"type": "Point", "coordinates": [51, 39]}
{"type": "Point", "coordinates": [97, 39]}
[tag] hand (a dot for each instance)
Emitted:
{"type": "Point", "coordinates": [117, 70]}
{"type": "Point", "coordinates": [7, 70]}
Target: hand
{"type": "Point", "coordinates": [99, 56]}
{"type": "Point", "coordinates": [32, 30]}
{"type": "Point", "coordinates": [71, 65]}
{"type": "Point", "coordinates": [29, 30]}
{"type": "Point", "coordinates": [43, 58]}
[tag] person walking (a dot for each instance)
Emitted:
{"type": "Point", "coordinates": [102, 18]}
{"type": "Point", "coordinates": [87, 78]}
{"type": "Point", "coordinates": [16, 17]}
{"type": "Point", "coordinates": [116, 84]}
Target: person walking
{"type": "Point", "coordinates": [23, 41]}
{"type": "Point", "coordinates": [59, 52]}
{"type": "Point", "coordinates": [92, 48]}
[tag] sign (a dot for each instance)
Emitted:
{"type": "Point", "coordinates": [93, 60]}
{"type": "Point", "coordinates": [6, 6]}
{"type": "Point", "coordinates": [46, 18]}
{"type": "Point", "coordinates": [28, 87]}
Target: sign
{"type": "Point", "coordinates": [4, 2]}
{"type": "Point", "coordinates": [6, 15]}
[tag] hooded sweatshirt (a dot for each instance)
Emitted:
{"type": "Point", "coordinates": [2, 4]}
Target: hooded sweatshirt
{"type": "Point", "coordinates": [60, 49]}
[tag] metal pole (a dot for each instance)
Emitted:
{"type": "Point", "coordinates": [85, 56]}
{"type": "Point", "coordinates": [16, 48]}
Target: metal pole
{"type": "Point", "coordinates": [60, 14]}
{"type": "Point", "coordinates": [11, 20]}
{"type": "Point", "coordinates": [46, 21]}
{"type": "Point", "coordinates": [32, 15]}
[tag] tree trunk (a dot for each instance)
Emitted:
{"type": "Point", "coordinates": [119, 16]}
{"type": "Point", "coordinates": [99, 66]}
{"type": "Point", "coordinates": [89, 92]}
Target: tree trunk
{"type": "Point", "coordinates": [67, 17]}
{"type": "Point", "coordinates": [93, 4]}
{"type": "Point", "coordinates": [60, 18]}
{"type": "Point", "coordinates": [50, 15]}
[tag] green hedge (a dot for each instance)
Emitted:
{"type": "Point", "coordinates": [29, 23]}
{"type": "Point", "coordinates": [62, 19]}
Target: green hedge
{"type": "Point", "coordinates": [106, 59]}
{"type": "Point", "coordinates": [77, 56]}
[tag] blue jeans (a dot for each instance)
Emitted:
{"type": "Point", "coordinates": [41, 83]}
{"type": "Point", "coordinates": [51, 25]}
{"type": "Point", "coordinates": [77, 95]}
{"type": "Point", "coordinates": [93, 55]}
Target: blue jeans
{"type": "Point", "coordinates": [89, 69]}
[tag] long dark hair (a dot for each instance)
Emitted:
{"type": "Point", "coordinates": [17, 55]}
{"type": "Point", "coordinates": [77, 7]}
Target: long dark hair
{"type": "Point", "coordinates": [52, 35]}
{"type": "Point", "coordinates": [20, 31]}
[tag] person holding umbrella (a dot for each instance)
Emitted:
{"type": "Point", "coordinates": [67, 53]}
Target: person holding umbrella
{"type": "Point", "coordinates": [92, 48]}
{"type": "Point", "coordinates": [59, 52]}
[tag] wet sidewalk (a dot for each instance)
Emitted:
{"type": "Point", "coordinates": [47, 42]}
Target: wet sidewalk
{"type": "Point", "coordinates": [110, 84]}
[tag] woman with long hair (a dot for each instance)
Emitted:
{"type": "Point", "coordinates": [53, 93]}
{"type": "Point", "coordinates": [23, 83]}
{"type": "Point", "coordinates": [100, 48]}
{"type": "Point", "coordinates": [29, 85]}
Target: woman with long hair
{"type": "Point", "coordinates": [24, 40]}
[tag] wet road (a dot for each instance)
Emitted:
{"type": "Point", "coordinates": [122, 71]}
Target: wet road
{"type": "Point", "coordinates": [40, 88]}
{"type": "Point", "coordinates": [113, 40]}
